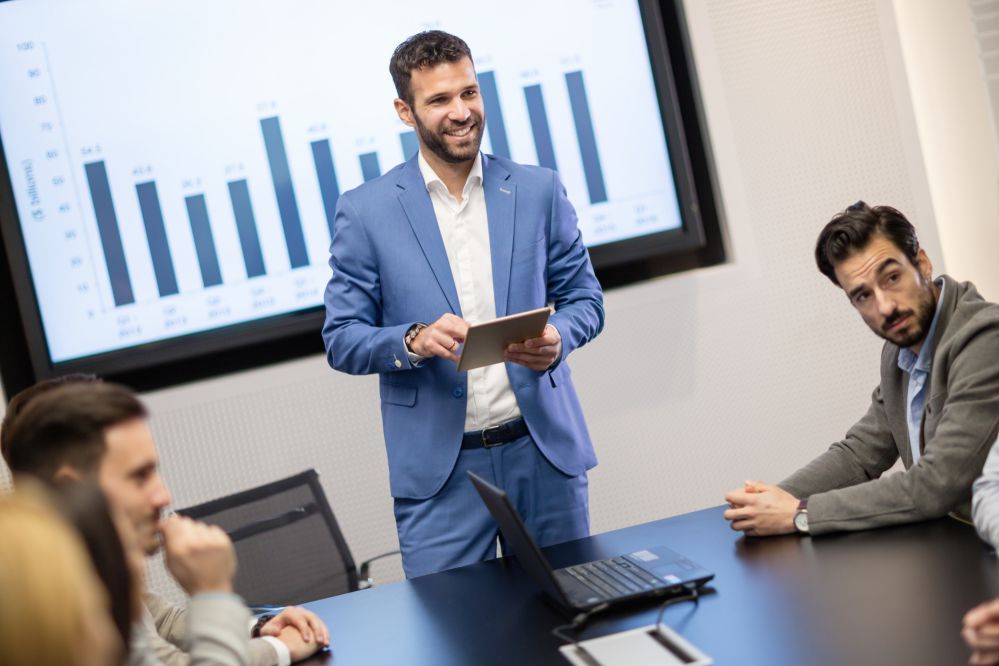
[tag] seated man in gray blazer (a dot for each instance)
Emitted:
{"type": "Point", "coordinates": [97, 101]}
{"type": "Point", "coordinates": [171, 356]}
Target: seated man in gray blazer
{"type": "Point", "coordinates": [936, 408]}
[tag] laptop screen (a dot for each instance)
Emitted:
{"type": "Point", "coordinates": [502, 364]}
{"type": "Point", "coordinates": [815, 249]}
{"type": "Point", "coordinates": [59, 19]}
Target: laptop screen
{"type": "Point", "coordinates": [522, 543]}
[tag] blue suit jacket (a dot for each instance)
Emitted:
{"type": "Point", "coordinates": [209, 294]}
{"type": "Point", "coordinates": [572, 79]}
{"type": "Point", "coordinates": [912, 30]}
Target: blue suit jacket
{"type": "Point", "coordinates": [390, 270]}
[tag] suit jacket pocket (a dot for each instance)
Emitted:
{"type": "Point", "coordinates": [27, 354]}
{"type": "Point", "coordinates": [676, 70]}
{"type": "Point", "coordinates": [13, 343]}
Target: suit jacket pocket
{"type": "Point", "coordinates": [397, 394]}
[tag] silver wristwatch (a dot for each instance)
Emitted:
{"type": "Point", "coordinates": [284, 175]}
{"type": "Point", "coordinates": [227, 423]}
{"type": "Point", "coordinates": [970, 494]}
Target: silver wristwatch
{"type": "Point", "coordinates": [801, 517]}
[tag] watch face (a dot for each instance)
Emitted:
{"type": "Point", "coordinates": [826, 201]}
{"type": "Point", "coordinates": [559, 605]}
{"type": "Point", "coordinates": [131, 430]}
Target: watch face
{"type": "Point", "coordinates": [801, 521]}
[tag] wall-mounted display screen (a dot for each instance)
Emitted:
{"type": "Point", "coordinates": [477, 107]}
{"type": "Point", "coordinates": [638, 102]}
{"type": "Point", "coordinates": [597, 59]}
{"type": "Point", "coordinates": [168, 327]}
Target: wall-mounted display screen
{"type": "Point", "coordinates": [173, 167]}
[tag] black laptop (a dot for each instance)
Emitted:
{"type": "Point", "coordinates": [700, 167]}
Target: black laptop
{"type": "Point", "coordinates": [652, 572]}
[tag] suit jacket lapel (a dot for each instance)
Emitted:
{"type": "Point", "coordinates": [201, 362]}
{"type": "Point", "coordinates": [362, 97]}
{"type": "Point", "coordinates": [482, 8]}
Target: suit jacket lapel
{"type": "Point", "coordinates": [501, 197]}
{"type": "Point", "coordinates": [419, 209]}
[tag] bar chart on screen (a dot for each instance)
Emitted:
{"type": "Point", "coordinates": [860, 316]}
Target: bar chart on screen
{"type": "Point", "coordinates": [195, 183]}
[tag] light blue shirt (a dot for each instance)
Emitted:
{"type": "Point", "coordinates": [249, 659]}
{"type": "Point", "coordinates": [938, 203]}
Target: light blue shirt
{"type": "Point", "coordinates": [918, 369]}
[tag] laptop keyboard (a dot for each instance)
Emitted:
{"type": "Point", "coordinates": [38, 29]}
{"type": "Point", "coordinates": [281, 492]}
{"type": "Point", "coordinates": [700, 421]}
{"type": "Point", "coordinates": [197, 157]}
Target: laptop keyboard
{"type": "Point", "coordinates": [615, 577]}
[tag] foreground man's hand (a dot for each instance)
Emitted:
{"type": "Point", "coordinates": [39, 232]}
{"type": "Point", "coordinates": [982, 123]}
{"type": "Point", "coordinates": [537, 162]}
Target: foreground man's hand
{"type": "Point", "coordinates": [309, 626]}
{"type": "Point", "coordinates": [981, 632]}
{"type": "Point", "coordinates": [199, 556]}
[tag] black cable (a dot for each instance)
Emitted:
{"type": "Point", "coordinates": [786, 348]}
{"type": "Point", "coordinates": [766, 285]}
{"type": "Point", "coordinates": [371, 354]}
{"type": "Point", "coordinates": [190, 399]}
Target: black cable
{"type": "Point", "coordinates": [581, 619]}
{"type": "Point", "coordinates": [577, 622]}
{"type": "Point", "coordinates": [695, 596]}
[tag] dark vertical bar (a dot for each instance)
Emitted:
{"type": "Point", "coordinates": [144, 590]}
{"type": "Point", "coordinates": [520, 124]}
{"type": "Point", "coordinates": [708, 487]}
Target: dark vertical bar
{"type": "Point", "coordinates": [322, 155]}
{"type": "Point", "coordinates": [246, 227]}
{"type": "Point", "coordinates": [159, 246]}
{"type": "Point", "coordinates": [285, 191]}
{"type": "Point", "coordinates": [410, 144]}
{"type": "Point", "coordinates": [369, 166]}
{"type": "Point", "coordinates": [204, 244]}
{"type": "Point", "coordinates": [539, 127]}
{"type": "Point", "coordinates": [587, 139]}
{"type": "Point", "coordinates": [494, 115]}
{"type": "Point", "coordinates": [107, 228]}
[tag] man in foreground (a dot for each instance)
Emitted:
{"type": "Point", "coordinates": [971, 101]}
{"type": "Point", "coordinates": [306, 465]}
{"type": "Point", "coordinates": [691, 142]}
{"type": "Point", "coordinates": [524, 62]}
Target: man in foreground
{"type": "Point", "coordinates": [99, 431]}
{"type": "Point", "coordinates": [936, 408]}
{"type": "Point", "coordinates": [450, 237]}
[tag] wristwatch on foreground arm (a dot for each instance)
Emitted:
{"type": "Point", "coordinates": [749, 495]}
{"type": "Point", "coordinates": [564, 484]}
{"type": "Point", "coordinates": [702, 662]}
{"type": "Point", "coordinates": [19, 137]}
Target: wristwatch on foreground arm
{"type": "Point", "coordinates": [801, 517]}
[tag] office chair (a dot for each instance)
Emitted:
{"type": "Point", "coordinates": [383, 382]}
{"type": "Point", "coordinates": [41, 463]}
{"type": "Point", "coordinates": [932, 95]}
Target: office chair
{"type": "Point", "coordinates": [289, 545]}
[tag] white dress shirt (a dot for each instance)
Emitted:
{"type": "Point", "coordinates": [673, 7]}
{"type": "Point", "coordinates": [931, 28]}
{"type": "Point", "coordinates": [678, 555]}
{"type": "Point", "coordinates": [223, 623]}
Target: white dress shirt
{"type": "Point", "coordinates": [464, 228]}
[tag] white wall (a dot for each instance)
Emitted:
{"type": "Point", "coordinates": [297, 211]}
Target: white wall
{"type": "Point", "coordinates": [956, 129]}
{"type": "Point", "coordinates": [700, 380]}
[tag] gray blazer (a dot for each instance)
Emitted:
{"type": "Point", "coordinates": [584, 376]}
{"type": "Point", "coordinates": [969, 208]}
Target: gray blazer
{"type": "Point", "coordinates": [212, 629]}
{"type": "Point", "coordinates": [845, 487]}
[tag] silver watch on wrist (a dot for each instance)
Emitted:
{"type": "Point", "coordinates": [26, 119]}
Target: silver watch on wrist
{"type": "Point", "coordinates": [801, 517]}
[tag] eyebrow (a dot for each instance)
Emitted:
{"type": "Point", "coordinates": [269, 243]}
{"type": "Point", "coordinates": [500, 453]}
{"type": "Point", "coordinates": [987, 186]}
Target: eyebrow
{"type": "Point", "coordinates": [142, 471]}
{"type": "Point", "coordinates": [446, 93]}
{"type": "Point", "coordinates": [882, 267]}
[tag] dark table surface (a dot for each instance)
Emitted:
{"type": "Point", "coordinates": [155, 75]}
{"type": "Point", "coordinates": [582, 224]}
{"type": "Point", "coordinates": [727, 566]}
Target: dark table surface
{"type": "Point", "coordinates": [889, 596]}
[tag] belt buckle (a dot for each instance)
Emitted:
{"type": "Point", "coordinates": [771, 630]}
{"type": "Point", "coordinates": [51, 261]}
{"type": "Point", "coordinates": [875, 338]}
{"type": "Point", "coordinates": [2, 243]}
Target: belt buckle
{"type": "Point", "coordinates": [486, 444]}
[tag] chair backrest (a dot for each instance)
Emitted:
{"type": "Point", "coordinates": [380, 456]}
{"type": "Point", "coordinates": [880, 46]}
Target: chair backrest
{"type": "Point", "coordinates": [289, 545]}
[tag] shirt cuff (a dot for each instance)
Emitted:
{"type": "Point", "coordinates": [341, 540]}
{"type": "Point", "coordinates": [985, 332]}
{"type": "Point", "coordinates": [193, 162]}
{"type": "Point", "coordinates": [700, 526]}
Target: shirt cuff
{"type": "Point", "coordinates": [283, 654]}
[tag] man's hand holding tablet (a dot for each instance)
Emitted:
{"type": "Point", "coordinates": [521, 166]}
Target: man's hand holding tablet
{"type": "Point", "coordinates": [521, 338]}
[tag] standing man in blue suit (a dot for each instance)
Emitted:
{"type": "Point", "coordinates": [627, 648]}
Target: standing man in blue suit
{"type": "Point", "coordinates": [449, 237]}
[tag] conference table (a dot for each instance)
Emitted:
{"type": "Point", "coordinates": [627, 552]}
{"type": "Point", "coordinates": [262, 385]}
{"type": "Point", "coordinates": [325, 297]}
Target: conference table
{"type": "Point", "coordinates": [889, 596]}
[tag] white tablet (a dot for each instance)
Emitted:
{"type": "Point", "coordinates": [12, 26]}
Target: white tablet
{"type": "Point", "coordinates": [485, 342]}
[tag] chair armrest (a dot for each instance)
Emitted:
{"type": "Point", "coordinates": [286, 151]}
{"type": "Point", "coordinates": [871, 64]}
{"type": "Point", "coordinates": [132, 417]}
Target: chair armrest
{"type": "Point", "coordinates": [364, 580]}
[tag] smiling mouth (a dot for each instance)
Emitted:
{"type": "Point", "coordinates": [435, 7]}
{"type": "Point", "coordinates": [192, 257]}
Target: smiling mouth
{"type": "Point", "coordinates": [460, 132]}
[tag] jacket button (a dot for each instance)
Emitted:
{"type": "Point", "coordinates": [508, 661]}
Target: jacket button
{"type": "Point", "coordinates": [398, 363]}
{"type": "Point", "coordinates": [458, 392]}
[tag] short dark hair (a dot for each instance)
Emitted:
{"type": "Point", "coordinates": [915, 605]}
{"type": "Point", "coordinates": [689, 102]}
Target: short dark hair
{"type": "Point", "coordinates": [66, 426]}
{"type": "Point", "coordinates": [852, 229]}
{"type": "Point", "coordinates": [424, 49]}
{"type": "Point", "coordinates": [21, 399]}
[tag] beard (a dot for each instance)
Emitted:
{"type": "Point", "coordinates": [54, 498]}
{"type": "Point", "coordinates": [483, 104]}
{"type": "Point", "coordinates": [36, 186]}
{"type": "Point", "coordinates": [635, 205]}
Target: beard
{"type": "Point", "coordinates": [436, 142]}
{"type": "Point", "coordinates": [922, 318]}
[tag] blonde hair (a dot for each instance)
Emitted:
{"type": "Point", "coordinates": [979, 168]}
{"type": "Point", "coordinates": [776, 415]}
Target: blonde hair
{"type": "Point", "coordinates": [53, 610]}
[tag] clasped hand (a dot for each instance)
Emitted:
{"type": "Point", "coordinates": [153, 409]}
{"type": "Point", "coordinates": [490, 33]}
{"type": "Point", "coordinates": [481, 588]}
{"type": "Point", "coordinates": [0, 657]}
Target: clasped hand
{"type": "Point", "coordinates": [302, 631]}
{"type": "Point", "coordinates": [761, 509]}
{"type": "Point", "coordinates": [981, 632]}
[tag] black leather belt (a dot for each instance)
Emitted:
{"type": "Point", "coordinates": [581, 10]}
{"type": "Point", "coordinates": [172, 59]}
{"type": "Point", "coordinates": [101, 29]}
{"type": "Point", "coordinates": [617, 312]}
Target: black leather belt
{"type": "Point", "coordinates": [494, 436]}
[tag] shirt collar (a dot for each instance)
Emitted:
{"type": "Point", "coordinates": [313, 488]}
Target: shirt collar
{"type": "Point", "coordinates": [430, 176]}
{"type": "Point", "coordinates": [908, 361]}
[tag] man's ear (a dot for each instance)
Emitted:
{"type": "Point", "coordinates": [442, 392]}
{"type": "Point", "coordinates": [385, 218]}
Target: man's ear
{"type": "Point", "coordinates": [405, 113]}
{"type": "Point", "coordinates": [924, 265]}
{"type": "Point", "coordinates": [66, 474]}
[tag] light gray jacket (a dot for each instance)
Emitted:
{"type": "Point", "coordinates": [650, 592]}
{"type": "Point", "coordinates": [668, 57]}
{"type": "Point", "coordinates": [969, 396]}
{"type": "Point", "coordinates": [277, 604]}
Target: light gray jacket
{"type": "Point", "coordinates": [845, 486]}
{"type": "Point", "coordinates": [985, 503]}
{"type": "Point", "coordinates": [212, 629]}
